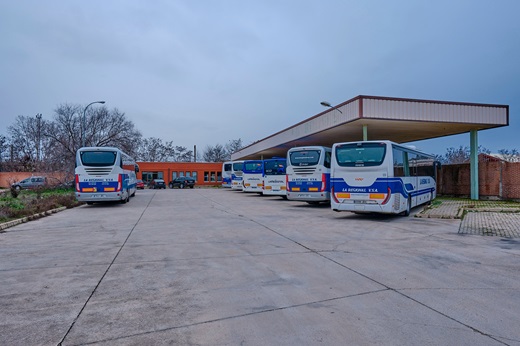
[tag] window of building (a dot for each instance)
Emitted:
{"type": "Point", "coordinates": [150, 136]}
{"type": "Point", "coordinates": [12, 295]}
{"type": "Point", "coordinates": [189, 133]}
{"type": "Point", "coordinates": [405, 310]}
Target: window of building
{"type": "Point", "coordinates": [174, 175]}
{"type": "Point", "coordinates": [194, 175]}
{"type": "Point", "coordinates": [219, 176]}
{"type": "Point", "coordinates": [206, 177]}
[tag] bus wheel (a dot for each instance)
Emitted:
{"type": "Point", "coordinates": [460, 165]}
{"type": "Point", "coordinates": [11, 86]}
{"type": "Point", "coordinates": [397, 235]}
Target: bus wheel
{"type": "Point", "coordinates": [408, 207]}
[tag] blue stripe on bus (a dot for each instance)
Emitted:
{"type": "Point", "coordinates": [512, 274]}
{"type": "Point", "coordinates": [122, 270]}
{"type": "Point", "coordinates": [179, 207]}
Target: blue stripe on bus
{"type": "Point", "coordinates": [381, 185]}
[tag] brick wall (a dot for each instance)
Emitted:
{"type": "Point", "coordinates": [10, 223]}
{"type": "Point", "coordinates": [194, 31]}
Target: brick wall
{"type": "Point", "coordinates": [497, 179]}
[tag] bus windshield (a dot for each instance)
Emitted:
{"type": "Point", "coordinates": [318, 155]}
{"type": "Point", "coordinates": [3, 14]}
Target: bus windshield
{"type": "Point", "coordinates": [360, 154]}
{"type": "Point", "coordinates": [98, 158]}
{"type": "Point", "coordinates": [274, 168]}
{"type": "Point", "coordinates": [305, 157]}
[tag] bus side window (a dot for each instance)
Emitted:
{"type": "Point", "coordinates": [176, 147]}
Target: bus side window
{"type": "Point", "coordinates": [327, 159]}
{"type": "Point", "coordinates": [398, 163]}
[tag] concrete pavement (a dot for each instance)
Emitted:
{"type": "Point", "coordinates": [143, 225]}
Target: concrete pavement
{"type": "Point", "coordinates": [218, 267]}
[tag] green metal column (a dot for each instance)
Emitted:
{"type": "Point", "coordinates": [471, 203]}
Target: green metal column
{"type": "Point", "coordinates": [365, 132]}
{"type": "Point", "coordinates": [473, 164]}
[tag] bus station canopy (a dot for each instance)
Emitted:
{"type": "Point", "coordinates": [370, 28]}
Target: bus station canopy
{"type": "Point", "coordinates": [380, 118]}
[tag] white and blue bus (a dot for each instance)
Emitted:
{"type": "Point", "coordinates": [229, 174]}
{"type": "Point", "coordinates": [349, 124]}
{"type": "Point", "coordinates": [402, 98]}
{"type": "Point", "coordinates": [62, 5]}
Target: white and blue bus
{"type": "Point", "coordinates": [227, 168]}
{"type": "Point", "coordinates": [308, 174]}
{"type": "Point", "coordinates": [381, 177]}
{"type": "Point", "coordinates": [274, 181]}
{"type": "Point", "coordinates": [252, 174]}
{"type": "Point", "coordinates": [104, 174]}
{"type": "Point", "coordinates": [236, 175]}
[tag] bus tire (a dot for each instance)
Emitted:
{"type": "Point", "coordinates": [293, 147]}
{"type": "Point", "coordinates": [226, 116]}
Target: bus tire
{"type": "Point", "coordinates": [408, 207]}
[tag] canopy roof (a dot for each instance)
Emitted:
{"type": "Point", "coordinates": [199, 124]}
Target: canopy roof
{"type": "Point", "coordinates": [396, 119]}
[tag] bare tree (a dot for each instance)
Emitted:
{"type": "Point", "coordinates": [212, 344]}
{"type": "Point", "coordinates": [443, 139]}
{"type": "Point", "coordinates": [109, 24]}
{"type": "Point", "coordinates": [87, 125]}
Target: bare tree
{"type": "Point", "coordinates": [217, 153]}
{"type": "Point", "coordinates": [155, 150]}
{"type": "Point", "coordinates": [461, 154]}
{"type": "Point", "coordinates": [511, 155]}
{"type": "Point", "coordinates": [32, 146]}
{"type": "Point", "coordinates": [234, 145]}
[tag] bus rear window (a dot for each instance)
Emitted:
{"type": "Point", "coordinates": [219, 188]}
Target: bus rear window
{"type": "Point", "coordinates": [274, 167]}
{"type": "Point", "coordinates": [304, 158]}
{"type": "Point", "coordinates": [253, 167]}
{"type": "Point", "coordinates": [98, 158]}
{"type": "Point", "coordinates": [360, 154]}
{"type": "Point", "coordinates": [237, 166]}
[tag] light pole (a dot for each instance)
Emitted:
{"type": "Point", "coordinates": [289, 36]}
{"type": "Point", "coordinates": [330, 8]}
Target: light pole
{"type": "Point", "coordinates": [326, 104]}
{"type": "Point", "coordinates": [83, 122]}
{"type": "Point", "coordinates": [38, 147]}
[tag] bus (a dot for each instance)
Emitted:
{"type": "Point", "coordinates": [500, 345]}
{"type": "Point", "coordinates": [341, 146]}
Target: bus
{"type": "Point", "coordinates": [308, 174]}
{"type": "Point", "coordinates": [381, 177]}
{"type": "Point", "coordinates": [252, 176]}
{"type": "Point", "coordinates": [236, 175]}
{"type": "Point", "coordinates": [274, 181]}
{"type": "Point", "coordinates": [104, 174]}
{"type": "Point", "coordinates": [227, 168]}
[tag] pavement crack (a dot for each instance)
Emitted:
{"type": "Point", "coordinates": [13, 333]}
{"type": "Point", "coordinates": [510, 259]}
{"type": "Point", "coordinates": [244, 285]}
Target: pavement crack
{"type": "Point", "coordinates": [257, 312]}
{"type": "Point", "coordinates": [105, 273]}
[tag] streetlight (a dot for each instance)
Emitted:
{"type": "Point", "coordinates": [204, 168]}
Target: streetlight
{"type": "Point", "coordinates": [326, 104]}
{"type": "Point", "coordinates": [38, 147]}
{"type": "Point", "coordinates": [84, 125]}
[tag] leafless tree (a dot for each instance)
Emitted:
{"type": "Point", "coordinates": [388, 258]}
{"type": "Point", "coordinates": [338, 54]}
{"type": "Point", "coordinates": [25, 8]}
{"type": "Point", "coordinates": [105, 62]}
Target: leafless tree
{"type": "Point", "coordinates": [217, 153]}
{"type": "Point", "coordinates": [103, 128]}
{"type": "Point", "coordinates": [234, 145]}
{"type": "Point", "coordinates": [461, 154]}
{"type": "Point", "coordinates": [153, 149]}
{"type": "Point", "coordinates": [31, 147]}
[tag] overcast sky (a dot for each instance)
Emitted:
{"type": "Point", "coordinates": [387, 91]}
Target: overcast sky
{"type": "Point", "coordinates": [205, 72]}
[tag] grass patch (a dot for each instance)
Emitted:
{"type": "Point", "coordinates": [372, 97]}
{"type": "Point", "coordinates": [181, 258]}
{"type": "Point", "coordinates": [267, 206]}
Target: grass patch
{"type": "Point", "coordinates": [32, 202]}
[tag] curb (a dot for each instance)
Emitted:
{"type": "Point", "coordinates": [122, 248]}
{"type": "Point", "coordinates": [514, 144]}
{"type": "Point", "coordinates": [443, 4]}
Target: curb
{"type": "Point", "coordinates": [6, 225]}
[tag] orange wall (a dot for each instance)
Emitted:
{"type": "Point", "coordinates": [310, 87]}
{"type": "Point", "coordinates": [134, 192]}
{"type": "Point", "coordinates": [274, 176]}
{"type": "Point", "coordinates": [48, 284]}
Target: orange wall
{"type": "Point", "coordinates": [168, 167]}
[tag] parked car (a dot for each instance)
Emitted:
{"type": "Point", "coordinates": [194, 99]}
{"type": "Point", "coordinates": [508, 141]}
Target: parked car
{"type": "Point", "coordinates": [30, 183]}
{"type": "Point", "coordinates": [139, 184]}
{"type": "Point", "coordinates": [157, 184]}
{"type": "Point", "coordinates": [182, 182]}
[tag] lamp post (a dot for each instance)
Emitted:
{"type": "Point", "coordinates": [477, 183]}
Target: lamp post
{"type": "Point", "coordinates": [326, 104]}
{"type": "Point", "coordinates": [83, 122]}
{"type": "Point", "coordinates": [38, 146]}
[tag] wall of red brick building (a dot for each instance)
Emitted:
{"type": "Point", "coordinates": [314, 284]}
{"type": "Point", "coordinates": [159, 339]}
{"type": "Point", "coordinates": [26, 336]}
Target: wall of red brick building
{"type": "Point", "coordinates": [497, 179]}
{"type": "Point", "coordinates": [214, 169]}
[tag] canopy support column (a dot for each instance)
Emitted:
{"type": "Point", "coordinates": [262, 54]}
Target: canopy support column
{"type": "Point", "coordinates": [365, 132]}
{"type": "Point", "coordinates": [473, 164]}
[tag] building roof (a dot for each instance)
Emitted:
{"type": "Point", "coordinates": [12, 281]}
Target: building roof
{"type": "Point", "coordinates": [396, 119]}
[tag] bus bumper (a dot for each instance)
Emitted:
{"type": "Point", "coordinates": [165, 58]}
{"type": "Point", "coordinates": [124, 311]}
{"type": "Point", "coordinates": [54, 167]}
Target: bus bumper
{"type": "Point", "coordinates": [100, 196]}
{"type": "Point", "coordinates": [309, 196]}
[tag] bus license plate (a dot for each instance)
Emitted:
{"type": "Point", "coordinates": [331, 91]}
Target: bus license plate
{"type": "Point", "coordinates": [304, 195]}
{"type": "Point", "coordinates": [98, 196]}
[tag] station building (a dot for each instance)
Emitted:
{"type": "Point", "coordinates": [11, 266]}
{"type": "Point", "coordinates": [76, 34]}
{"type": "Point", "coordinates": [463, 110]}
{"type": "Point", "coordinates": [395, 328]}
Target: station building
{"type": "Point", "coordinates": [205, 173]}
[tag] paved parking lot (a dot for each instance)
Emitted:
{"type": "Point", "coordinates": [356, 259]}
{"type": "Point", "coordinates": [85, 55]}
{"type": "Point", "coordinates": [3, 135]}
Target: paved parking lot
{"type": "Point", "coordinates": [219, 267]}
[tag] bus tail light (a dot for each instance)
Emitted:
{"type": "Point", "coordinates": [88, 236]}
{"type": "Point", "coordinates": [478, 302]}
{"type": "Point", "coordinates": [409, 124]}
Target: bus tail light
{"type": "Point", "coordinates": [323, 182]}
{"type": "Point", "coordinates": [287, 183]}
{"type": "Point", "coordinates": [119, 182]}
{"type": "Point", "coordinates": [77, 182]}
{"type": "Point", "coordinates": [389, 194]}
{"type": "Point", "coordinates": [333, 194]}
